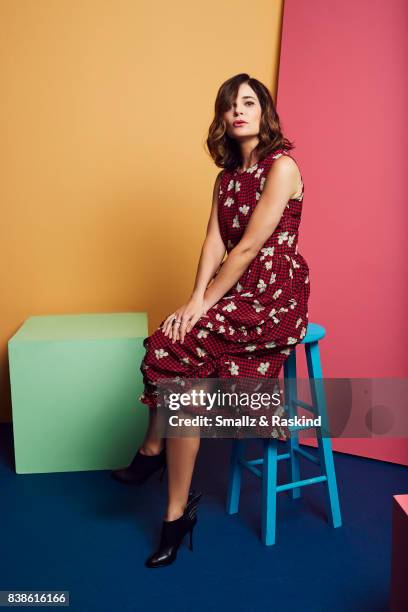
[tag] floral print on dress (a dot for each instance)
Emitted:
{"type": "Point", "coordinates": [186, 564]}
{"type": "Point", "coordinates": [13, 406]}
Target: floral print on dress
{"type": "Point", "coordinates": [255, 326]}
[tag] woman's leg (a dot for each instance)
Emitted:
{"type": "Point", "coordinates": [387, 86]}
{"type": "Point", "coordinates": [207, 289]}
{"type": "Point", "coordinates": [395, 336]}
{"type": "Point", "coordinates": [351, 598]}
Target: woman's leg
{"type": "Point", "coordinates": [181, 456]}
{"type": "Point", "coordinates": [163, 359]}
{"type": "Point", "coordinates": [153, 442]}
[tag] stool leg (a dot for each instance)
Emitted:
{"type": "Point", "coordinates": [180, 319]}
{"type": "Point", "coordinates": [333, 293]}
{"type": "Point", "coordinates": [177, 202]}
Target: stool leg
{"type": "Point", "coordinates": [269, 480]}
{"type": "Point", "coordinates": [290, 385]}
{"type": "Point", "coordinates": [324, 442]}
{"type": "Point", "coordinates": [235, 476]}
{"type": "Point", "coordinates": [332, 498]}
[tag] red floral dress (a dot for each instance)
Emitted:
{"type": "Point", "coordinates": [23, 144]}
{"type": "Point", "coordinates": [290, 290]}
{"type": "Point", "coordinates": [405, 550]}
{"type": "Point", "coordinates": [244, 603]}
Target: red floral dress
{"type": "Point", "coordinates": [254, 327]}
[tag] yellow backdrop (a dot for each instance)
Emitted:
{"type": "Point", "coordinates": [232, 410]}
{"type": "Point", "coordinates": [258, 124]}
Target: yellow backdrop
{"type": "Point", "coordinates": [106, 185]}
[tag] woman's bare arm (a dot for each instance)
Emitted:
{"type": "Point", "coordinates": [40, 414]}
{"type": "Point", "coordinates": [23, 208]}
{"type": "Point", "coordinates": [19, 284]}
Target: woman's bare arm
{"type": "Point", "coordinates": [213, 249]}
{"type": "Point", "coordinates": [212, 253]}
{"type": "Point", "coordinates": [279, 186]}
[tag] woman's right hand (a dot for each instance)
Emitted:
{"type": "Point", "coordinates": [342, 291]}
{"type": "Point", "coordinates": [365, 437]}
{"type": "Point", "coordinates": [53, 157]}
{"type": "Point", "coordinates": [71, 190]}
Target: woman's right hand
{"type": "Point", "coordinates": [188, 315]}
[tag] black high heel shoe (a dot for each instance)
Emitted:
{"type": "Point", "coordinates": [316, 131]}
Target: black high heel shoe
{"type": "Point", "coordinates": [141, 468]}
{"type": "Point", "coordinates": [173, 532]}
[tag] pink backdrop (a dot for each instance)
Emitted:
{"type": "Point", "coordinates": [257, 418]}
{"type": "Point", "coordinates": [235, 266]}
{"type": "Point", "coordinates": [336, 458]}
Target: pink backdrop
{"type": "Point", "coordinates": [343, 99]}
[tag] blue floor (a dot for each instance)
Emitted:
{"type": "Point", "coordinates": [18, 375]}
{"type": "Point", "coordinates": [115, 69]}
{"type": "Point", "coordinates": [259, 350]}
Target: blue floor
{"type": "Point", "coordinates": [85, 533]}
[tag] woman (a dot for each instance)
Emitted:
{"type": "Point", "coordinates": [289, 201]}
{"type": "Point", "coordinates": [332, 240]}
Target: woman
{"type": "Point", "coordinates": [249, 318]}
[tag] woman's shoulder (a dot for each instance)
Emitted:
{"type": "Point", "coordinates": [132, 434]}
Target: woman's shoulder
{"type": "Point", "coordinates": [286, 166]}
{"type": "Point", "coordinates": [275, 154]}
{"type": "Point", "coordinates": [283, 153]}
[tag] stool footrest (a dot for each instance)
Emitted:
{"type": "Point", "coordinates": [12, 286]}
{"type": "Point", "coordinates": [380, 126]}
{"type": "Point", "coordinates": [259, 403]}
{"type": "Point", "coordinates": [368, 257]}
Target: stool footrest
{"type": "Point", "coordinates": [249, 466]}
{"type": "Point", "coordinates": [307, 455]}
{"type": "Point", "coordinates": [252, 462]}
{"type": "Point", "coordinates": [300, 483]}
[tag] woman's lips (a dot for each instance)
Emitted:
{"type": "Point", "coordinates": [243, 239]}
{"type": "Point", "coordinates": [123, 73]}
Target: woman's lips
{"type": "Point", "coordinates": [239, 124]}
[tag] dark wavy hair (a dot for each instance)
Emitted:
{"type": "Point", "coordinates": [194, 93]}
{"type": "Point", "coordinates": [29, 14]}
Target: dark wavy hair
{"type": "Point", "coordinates": [225, 150]}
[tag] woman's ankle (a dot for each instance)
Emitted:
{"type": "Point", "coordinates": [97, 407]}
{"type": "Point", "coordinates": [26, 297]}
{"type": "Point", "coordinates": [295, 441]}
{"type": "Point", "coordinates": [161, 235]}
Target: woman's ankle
{"type": "Point", "coordinates": [174, 513]}
{"type": "Point", "coordinates": [149, 448]}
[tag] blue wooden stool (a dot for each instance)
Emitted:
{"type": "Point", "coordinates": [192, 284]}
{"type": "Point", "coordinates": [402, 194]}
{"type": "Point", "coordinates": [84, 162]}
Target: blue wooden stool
{"type": "Point", "coordinates": [270, 459]}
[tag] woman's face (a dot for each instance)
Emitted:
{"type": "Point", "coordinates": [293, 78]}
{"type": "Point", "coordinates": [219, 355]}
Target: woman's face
{"type": "Point", "coordinates": [247, 110]}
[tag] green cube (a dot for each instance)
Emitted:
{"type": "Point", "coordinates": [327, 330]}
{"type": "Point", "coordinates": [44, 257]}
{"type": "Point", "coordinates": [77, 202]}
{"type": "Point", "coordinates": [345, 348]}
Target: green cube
{"type": "Point", "coordinates": [75, 382]}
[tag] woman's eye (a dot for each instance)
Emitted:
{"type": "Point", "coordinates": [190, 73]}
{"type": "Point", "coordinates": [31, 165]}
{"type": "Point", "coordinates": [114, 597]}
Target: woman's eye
{"type": "Point", "coordinates": [247, 102]}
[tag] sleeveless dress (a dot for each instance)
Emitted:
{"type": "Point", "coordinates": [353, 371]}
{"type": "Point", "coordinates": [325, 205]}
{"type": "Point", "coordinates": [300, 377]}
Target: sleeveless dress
{"type": "Point", "coordinates": [254, 327]}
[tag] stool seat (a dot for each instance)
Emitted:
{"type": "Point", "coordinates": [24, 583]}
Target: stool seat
{"type": "Point", "coordinates": [269, 461]}
{"type": "Point", "coordinates": [314, 333]}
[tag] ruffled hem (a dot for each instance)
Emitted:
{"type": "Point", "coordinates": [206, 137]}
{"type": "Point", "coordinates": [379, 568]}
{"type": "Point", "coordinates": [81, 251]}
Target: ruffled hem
{"type": "Point", "coordinates": [207, 369]}
{"type": "Point", "coordinates": [150, 399]}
